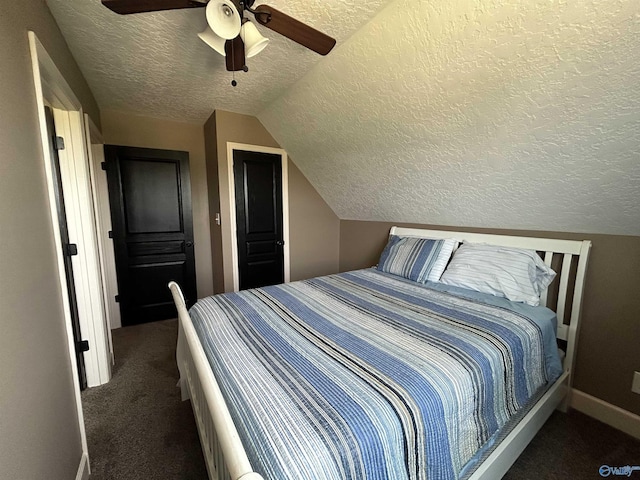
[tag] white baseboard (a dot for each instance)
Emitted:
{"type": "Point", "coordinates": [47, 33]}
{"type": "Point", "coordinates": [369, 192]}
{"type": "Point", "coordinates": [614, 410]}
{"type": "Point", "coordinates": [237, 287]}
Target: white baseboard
{"type": "Point", "coordinates": [607, 413]}
{"type": "Point", "coordinates": [83, 468]}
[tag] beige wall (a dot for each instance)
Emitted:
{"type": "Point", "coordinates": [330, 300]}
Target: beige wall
{"type": "Point", "coordinates": [211, 152]}
{"type": "Point", "coordinates": [39, 432]}
{"type": "Point", "coordinates": [314, 228]}
{"type": "Point", "coordinates": [608, 352]}
{"type": "Point", "coordinates": [119, 128]}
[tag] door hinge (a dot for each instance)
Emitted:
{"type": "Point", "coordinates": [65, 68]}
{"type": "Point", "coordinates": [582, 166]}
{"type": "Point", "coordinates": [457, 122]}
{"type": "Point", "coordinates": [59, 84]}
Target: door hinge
{"type": "Point", "coordinates": [59, 143]}
{"type": "Point", "coordinates": [103, 165]}
{"type": "Point", "coordinates": [71, 249]}
{"type": "Point", "coordinates": [110, 233]}
{"type": "Point", "coordinates": [82, 346]}
{"type": "Point", "coordinates": [117, 298]}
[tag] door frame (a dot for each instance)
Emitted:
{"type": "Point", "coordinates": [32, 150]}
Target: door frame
{"type": "Point", "coordinates": [50, 85]}
{"type": "Point", "coordinates": [51, 88]}
{"type": "Point", "coordinates": [231, 146]}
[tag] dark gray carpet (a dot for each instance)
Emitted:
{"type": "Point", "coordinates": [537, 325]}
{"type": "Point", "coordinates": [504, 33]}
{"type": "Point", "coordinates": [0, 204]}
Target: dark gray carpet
{"type": "Point", "coordinates": [574, 446]}
{"type": "Point", "coordinates": [138, 428]}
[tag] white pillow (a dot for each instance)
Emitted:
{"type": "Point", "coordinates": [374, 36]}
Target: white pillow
{"type": "Point", "coordinates": [517, 274]}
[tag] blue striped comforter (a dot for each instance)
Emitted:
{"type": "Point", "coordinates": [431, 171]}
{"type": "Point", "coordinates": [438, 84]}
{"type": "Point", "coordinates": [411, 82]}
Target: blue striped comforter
{"type": "Point", "coordinates": [363, 376]}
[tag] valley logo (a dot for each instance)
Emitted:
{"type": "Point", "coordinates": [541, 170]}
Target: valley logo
{"type": "Point", "coordinates": [626, 471]}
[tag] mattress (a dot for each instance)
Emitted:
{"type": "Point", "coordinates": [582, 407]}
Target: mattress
{"type": "Point", "coordinates": [364, 375]}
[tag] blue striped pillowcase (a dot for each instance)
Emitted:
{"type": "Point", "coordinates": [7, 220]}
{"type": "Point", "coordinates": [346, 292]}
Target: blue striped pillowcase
{"type": "Point", "coordinates": [418, 259]}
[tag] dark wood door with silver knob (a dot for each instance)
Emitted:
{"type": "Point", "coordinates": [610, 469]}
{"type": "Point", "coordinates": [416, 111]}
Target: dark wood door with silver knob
{"type": "Point", "coordinates": [258, 190]}
{"type": "Point", "coordinates": [150, 198]}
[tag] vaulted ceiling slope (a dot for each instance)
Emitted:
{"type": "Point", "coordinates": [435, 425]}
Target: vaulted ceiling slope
{"type": "Point", "coordinates": [484, 113]}
{"type": "Point", "coordinates": [154, 64]}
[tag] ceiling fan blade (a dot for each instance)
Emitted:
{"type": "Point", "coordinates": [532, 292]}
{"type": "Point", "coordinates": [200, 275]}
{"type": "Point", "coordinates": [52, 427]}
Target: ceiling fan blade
{"type": "Point", "coordinates": [294, 29]}
{"type": "Point", "coordinates": [124, 7]}
{"type": "Point", "coordinates": [234, 51]}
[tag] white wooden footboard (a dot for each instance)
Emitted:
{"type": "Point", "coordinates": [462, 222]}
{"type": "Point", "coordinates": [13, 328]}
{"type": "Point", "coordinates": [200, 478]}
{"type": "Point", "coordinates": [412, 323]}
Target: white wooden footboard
{"type": "Point", "coordinates": [223, 451]}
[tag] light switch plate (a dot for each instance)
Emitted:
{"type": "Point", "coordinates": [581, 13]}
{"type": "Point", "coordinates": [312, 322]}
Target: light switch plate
{"type": "Point", "coordinates": [635, 386]}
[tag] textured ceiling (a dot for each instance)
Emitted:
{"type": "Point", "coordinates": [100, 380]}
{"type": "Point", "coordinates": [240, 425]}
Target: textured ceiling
{"type": "Point", "coordinates": [154, 64]}
{"type": "Point", "coordinates": [484, 113]}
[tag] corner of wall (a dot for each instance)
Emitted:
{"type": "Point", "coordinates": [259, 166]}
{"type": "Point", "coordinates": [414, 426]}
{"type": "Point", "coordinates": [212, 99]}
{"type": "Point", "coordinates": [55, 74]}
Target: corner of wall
{"type": "Point", "coordinates": [211, 158]}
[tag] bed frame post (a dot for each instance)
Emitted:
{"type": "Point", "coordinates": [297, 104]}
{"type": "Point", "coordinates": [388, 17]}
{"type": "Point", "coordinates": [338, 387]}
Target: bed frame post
{"type": "Point", "coordinates": [574, 323]}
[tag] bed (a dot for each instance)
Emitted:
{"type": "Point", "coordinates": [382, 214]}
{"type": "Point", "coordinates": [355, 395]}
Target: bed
{"type": "Point", "coordinates": [368, 374]}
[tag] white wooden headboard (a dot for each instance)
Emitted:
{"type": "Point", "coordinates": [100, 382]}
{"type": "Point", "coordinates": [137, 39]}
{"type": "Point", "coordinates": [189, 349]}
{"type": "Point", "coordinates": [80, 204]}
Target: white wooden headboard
{"type": "Point", "coordinates": [567, 252]}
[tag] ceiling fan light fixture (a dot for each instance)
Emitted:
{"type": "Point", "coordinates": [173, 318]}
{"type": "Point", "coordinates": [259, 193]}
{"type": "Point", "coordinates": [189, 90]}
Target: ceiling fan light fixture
{"type": "Point", "coordinates": [213, 40]}
{"type": "Point", "coordinates": [254, 42]}
{"type": "Point", "coordinates": [224, 18]}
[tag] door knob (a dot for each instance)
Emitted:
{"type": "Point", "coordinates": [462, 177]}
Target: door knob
{"type": "Point", "coordinates": [280, 242]}
{"type": "Point", "coordinates": [189, 244]}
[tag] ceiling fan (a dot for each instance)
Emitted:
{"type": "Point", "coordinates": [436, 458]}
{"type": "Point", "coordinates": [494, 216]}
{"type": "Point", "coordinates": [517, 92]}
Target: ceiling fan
{"type": "Point", "coordinates": [229, 32]}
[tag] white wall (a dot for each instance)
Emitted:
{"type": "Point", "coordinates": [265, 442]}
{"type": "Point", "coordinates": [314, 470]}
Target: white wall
{"type": "Point", "coordinates": [484, 113]}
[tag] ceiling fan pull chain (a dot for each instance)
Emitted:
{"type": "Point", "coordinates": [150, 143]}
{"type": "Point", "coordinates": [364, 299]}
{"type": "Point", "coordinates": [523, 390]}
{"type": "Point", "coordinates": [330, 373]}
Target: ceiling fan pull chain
{"type": "Point", "coordinates": [233, 66]}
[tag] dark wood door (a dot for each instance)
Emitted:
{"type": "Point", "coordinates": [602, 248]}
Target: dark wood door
{"type": "Point", "coordinates": [68, 249]}
{"type": "Point", "coordinates": [150, 198]}
{"type": "Point", "coordinates": [258, 189]}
